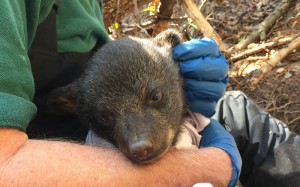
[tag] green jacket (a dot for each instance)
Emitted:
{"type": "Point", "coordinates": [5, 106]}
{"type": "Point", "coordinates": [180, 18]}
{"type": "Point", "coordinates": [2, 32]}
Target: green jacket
{"type": "Point", "coordinates": [79, 27]}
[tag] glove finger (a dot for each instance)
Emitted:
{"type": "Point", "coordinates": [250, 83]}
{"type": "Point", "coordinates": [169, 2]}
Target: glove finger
{"type": "Point", "coordinates": [204, 90]}
{"type": "Point", "coordinates": [204, 107]}
{"type": "Point", "coordinates": [209, 68]}
{"type": "Point", "coordinates": [195, 48]}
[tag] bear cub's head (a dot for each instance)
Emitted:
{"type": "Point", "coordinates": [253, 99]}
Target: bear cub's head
{"type": "Point", "coordinates": [131, 94]}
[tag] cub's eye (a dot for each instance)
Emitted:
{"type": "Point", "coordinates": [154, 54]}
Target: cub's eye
{"type": "Point", "coordinates": [156, 95]}
{"type": "Point", "coordinates": [106, 118]}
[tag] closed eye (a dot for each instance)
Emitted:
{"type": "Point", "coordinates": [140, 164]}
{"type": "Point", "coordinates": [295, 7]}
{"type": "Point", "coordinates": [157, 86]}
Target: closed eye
{"type": "Point", "coordinates": [106, 118]}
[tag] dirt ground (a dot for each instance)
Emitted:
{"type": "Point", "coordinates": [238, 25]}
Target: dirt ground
{"type": "Point", "coordinates": [279, 91]}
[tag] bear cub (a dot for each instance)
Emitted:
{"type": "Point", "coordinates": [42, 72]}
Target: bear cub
{"type": "Point", "coordinates": [131, 95]}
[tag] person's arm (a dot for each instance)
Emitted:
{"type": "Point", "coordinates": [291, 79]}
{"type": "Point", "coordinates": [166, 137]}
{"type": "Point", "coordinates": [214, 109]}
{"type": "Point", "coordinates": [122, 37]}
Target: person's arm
{"type": "Point", "coordinates": [18, 23]}
{"type": "Point", "coordinates": [26, 162]}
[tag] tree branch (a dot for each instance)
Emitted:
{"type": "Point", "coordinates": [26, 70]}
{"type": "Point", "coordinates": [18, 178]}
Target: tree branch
{"type": "Point", "coordinates": [203, 25]}
{"type": "Point", "coordinates": [261, 29]}
{"type": "Point", "coordinates": [260, 48]}
{"type": "Point", "coordinates": [273, 62]}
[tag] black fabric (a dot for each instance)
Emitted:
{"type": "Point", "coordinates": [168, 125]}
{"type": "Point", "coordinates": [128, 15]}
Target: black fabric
{"type": "Point", "coordinates": [270, 152]}
{"type": "Point", "coordinates": [51, 70]}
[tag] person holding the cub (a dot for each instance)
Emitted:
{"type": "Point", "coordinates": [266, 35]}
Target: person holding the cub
{"type": "Point", "coordinates": [45, 45]}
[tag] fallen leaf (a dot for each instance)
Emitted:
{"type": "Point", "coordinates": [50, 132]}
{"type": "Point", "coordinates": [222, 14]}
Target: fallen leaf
{"type": "Point", "coordinates": [280, 70]}
{"type": "Point", "coordinates": [287, 75]}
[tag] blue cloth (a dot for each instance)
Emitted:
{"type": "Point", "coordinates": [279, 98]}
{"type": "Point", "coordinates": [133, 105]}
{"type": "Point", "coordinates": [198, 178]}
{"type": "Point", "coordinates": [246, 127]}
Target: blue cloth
{"type": "Point", "coordinates": [204, 69]}
{"type": "Point", "coordinates": [215, 135]}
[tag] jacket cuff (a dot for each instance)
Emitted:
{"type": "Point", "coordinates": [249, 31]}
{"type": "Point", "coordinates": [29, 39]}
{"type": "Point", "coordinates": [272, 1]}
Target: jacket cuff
{"type": "Point", "coordinates": [15, 112]}
{"type": "Point", "coordinates": [215, 135]}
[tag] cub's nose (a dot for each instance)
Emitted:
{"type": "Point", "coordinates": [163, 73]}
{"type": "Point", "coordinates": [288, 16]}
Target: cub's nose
{"type": "Point", "coordinates": [141, 150]}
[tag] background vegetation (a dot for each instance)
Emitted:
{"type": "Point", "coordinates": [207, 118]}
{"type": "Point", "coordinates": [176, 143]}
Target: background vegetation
{"type": "Point", "coordinates": [260, 39]}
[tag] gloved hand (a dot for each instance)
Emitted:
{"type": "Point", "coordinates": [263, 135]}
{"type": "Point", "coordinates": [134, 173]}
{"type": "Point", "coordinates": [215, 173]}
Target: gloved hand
{"type": "Point", "coordinates": [204, 70]}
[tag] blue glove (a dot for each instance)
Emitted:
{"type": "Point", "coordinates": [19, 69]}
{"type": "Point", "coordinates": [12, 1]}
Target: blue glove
{"type": "Point", "coordinates": [204, 70]}
{"type": "Point", "coordinates": [215, 135]}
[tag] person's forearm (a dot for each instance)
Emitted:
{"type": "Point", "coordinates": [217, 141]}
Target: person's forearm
{"type": "Point", "coordinates": [42, 163]}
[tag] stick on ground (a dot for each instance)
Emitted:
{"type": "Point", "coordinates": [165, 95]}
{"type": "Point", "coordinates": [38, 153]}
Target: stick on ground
{"type": "Point", "coordinates": [273, 62]}
{"type": "Point", "coordinates": [261, 48]}
{"type": "Point", "coordinates": [261, 29]}
{"type": "Point", "coordinates": [203, 25]}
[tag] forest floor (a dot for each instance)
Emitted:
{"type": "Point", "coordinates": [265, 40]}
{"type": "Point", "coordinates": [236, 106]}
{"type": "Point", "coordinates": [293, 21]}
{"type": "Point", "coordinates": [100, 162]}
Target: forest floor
{"type": "Point", "coordinates": [279, 91]}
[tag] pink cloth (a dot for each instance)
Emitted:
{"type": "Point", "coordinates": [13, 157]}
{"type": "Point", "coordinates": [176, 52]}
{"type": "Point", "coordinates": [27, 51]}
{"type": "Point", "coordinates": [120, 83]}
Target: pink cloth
{"type": "Point", "coordinates": [193, 124]}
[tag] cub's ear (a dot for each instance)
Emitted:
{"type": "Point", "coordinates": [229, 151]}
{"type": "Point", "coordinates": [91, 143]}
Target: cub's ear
{"type": "Point", "coordinates": [62, 100]}
{"type": "Point", "coordinates": [169, 37]}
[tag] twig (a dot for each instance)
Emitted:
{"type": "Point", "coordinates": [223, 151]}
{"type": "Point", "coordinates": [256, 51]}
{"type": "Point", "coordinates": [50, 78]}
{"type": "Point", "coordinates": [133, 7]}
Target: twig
{"type": "Point", "coordinates": [269, 105]}
{"type": "Point", "coordinates": [278, 108]}
{"type": "Point", "coordinates": [260, 48]}
{"type": "Point", "coordinates": [169, 18]}
{"type": "Point", "coordinates": [118, 11]}
{"type": "Point", "coordinates": [234, 79]}
{"type": "Point", "coordinates": [201, 5]}
{"type": "Point", "coordinates": [261, 29]}
{"type": "Point", "coordinates": [293, 112]}
{"type": "Point", "coordinates": [273, 62]}
{"type": "Point", "coordinates": [135, 7]}
{"type": "Point", "coordinates": [203, 25]}
{"type": "Point", "coordinates": [293, 120]}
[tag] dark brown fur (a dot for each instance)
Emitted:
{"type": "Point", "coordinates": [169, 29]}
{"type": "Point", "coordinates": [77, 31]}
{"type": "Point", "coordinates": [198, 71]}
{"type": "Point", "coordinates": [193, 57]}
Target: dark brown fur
{"type": "Point", "coordinates": [115, 96]}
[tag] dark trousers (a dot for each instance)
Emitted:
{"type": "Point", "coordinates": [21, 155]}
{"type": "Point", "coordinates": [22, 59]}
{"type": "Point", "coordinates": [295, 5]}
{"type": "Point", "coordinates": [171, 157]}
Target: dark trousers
{"type": "Point", "coordinates": [270, 151]}
{"type": "Point", "coordinates": [51, 70]}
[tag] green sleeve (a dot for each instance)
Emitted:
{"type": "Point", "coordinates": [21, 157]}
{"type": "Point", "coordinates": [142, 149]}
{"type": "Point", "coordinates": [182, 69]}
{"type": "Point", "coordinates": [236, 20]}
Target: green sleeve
{"type": "Point", "coordinates": [18, 23]}
{"type": "Point", "coordinates": [80, 26]}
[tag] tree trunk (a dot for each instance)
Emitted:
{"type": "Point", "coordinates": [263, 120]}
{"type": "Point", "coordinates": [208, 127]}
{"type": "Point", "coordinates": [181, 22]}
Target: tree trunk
{"type": "Point", "coordinates": [165, 13]}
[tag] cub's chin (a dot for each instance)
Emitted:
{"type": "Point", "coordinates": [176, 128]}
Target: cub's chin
{"type": "Point", "coordinates": [154, 156]}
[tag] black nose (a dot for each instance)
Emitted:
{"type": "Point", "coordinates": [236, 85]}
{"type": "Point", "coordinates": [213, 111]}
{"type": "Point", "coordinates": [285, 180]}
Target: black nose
{"type": "Point", "coordinates": [141, 150]}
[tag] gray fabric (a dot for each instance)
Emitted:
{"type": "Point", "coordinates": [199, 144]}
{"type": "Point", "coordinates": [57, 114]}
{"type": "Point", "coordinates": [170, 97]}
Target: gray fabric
{"type": "Point", "coordinates": [270, 152]}
{"type": "Point", "coordinates": [93, 139]}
